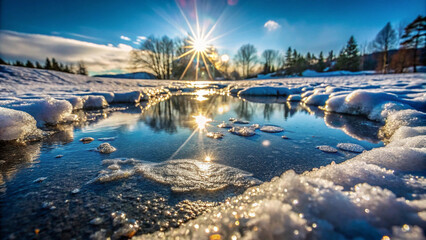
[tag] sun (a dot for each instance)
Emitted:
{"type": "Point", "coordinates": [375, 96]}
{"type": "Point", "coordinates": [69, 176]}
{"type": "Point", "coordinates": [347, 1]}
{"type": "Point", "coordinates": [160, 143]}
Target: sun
{"type": "Point", "coordinates": [200, 45]}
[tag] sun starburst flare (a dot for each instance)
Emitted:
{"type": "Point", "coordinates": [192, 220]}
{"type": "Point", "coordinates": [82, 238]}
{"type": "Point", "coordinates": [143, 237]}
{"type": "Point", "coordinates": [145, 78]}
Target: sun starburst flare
{"type": "Point", "coordinates": [199, 45]}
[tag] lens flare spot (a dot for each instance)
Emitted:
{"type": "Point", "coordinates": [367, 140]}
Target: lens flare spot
{"type": "Point", "coordinates": [266, 143]}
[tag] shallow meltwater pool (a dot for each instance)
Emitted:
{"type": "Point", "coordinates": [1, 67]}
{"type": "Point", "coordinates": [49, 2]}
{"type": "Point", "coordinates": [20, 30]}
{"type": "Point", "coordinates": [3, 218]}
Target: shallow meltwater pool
{"type": "Point", "coordinates": [166, 170]}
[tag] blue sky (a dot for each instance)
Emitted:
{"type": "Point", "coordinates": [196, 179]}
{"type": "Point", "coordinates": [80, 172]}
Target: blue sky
{"type": "Point", "coordinates": [307, 25]}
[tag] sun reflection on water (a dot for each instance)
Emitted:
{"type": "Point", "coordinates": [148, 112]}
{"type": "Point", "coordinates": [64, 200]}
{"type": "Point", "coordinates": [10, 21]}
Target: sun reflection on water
{"type": "Point", "coordinates": [201, 121]}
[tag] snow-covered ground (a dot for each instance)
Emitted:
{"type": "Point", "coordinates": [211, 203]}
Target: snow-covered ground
{"type": "Point", "coordinates": [380, 194]}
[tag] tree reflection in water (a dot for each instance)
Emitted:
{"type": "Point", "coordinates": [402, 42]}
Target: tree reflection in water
{"type": "Point", "coordinates": [179, 111]}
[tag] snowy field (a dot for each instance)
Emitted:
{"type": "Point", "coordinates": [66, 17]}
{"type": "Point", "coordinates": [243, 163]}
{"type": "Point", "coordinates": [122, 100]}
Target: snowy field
{"type": "Point", "coordinates": [380, 194]}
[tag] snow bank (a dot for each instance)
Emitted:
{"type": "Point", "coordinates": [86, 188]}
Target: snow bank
{"type": "Point", "coordinates": [316, 99]}
{"type": "Point", "coordinates": [76, 102]}
{"type": "Point", "coordinates": [94, 102]}
{"type": "Point", "coordinates": [370, 104]}
{"type": "Point", "coordinates": [16, 125]}
{"type": "Point", "coordinates": [294, 98]}
{"type": "Point", "coordinates": [265, 91]}
{"type": "Point", "coordinates": [109, 96]}
{"type": "Point", "coordinates": [46, 111]}
{"type": "Point", "coordinates": [128, 97]}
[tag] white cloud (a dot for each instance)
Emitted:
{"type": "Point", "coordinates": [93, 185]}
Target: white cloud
{"type": "Point", "coordinates": [36, 47]}
{"type": "Point", "coordinates": [271, 25]}
{"type": "Point", "coordinates": [141, 38]}
{"type": "Point", "coordinates": [125, 38]}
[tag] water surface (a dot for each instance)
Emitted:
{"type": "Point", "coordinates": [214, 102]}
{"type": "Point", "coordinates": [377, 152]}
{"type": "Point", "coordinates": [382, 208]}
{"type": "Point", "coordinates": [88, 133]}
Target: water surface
{"type": "Point", "coordinates": [159, 135]}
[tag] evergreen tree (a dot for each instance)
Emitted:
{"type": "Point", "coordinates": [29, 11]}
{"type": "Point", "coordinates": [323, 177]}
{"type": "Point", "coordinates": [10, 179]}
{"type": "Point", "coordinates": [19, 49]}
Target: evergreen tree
{"type": "Point", "coordinates": [67, 69]}
{"type": "Point", "coordinates": [29, 64]}
{"type": "Point", "coordinates": [330, 56]}
{"type": "Point", "coordinates": [81, 68]}
{"type": "Point", "coordinates": [321, 63]}
{"type": "Point", "coordinates": [38, 65]}
{"type": "Point", "coordinates": [349, 58]}
{"type": "Point", "coordinates": [288, 58]}
{"type": "Point", "coordinates": [55, 65]}
{"type": "Point", "coordinates": [414, 37]}
{"type": "Point", "coordinates": [309, 58]}
{"type": "Point", "coordinates": [3, 62]}
{"type": "Point", "coordinates": [295, 56]}
{"type": "Point", "coordinates": [19, 64]}
{"type": "Point", "coordinates": [47, 64]}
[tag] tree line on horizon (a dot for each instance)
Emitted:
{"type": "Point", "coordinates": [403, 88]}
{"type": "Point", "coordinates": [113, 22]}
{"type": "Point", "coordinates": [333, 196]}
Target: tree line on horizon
{"type": "Point", "coordinates": [51, 64]}
{"type": "Point", "coordinates": [392, 51]}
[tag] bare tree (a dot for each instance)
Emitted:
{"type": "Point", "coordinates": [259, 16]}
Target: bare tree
{"type": "Point", "coordinates": [269, 57]}
{"type": "Point", "coordinates": [246, 58]}
{"type": "Point", "coordinates": [155, 55]}
{"type": "Point", "coordinates": [384, 41]}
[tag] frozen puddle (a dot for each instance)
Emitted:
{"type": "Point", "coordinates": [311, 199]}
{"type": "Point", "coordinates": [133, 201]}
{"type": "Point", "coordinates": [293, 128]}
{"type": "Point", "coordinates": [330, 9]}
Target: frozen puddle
{"type": "Point", "coordinates": [182, 175]}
